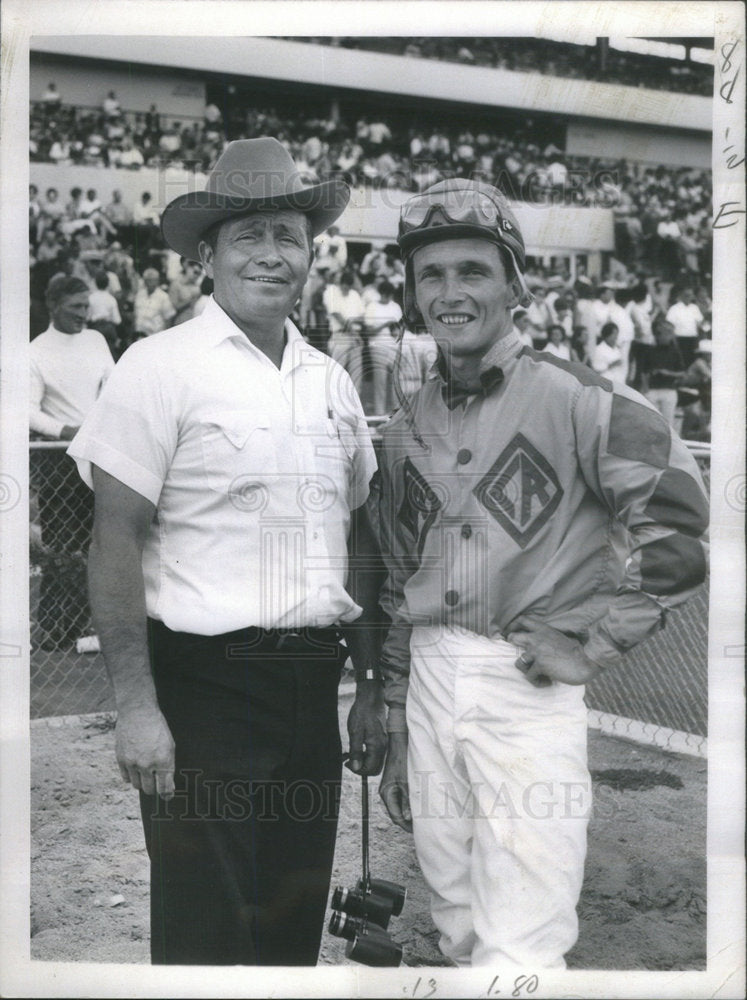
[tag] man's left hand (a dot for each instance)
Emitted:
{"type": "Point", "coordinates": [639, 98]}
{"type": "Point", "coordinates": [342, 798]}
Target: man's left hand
{"type": "Point", "coordinates": [367, 729]}
{"type": "Point", "coordinates": [549, 655]}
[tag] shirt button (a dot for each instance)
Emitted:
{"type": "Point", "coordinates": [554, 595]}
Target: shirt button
{"type": "Point", "coordinates": [466, 531]}
{"type": "Point", "coordinates": [464, 455]}
{"type": "Point", "coordinates": [451, 597]}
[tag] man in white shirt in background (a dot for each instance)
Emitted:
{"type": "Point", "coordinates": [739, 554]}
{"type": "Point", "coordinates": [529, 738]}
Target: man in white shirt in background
{"type": "Point", "coordinates": [382, 320]}
{"type": "Point", "coordinates": [523, 327]}
{"type": "Point", "coordinates": [69, 365]}
{"type": "Point", "coordinates": [607, 359]}
{"type": "Point", "coordinates": [104, 314]}
{"type": "Point", "coordinates": [686, 318]}
{"type": "Point", "coordinates": [608, 310]}
{"type": "Point", "coordinates": [154, 310]}
{"type": "Point", "coordinates": [344, 308]}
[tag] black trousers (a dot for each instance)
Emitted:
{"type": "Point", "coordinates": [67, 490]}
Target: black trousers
{"type": "Point", "coordinates": [241, 857]}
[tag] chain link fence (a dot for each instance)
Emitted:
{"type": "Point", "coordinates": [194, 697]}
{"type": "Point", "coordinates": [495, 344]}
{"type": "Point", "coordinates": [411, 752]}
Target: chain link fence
{"type": "Point", "coordinates": [659, 693]}
{"type": "Point", "coordinates": [65, 680]}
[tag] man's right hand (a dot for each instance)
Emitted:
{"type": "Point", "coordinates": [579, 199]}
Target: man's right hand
{"type": "Point", "coordinates": [145, 750]}
{"type": "Point", "coordinates": [393, 789]}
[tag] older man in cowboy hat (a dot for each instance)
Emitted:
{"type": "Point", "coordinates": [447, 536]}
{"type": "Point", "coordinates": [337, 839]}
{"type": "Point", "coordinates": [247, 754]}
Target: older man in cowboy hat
{"type": "Point", "coordinates": [231, 553]}
{"type": "Point", "coordinates": [537, 521]}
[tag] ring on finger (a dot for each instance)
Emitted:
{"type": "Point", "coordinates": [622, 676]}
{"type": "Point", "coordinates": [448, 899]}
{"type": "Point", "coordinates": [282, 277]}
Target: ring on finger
{"type": "Point", "coordinates": [527, 661]}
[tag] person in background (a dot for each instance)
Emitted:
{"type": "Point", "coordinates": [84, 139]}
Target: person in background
{"type": "Point", "coordinates": [154, 310]}
{"type": "Point", "coordinates": [145, 218]}
{"type": "Point", "coordinates": [382, 326]}
{"type": "Point", "coordinates": [104, 314]}
{"type": "Point", "coordinates": [608, 310]}
{"type": "Point", "coordinates": [696, 417]}
{"type": "Point", "coordinates": [184, 291]}
{"type": "Point", "coordinates": [523, 327]}
{"type": "Point", "coordinates": [661, 368]}
{"type": "Point", "coordinates": [118, 213]}
{"type": "Point", "coordinates": [541, 315]}
{"type": "Point", "coordinates": [639, 309]}
{"type": "Point", "coordinates": [687, 320]}
{"type": "Point", "coordinates": [557, 344]}
{"type": "Point", "coordinates": [69, 364]}
{"type": "Point", "coordinates": [607, 359]}
{"type": "Point", "coordinates": [345, 346]}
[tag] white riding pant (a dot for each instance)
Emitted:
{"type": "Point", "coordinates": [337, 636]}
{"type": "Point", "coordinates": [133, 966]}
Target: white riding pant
{"type": "Point", "coordinates": [500, 796]}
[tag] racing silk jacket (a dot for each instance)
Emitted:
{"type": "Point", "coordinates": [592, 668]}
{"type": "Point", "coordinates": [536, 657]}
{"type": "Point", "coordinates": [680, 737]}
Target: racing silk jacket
{"type": "Point", "coordinates": [552, 493]}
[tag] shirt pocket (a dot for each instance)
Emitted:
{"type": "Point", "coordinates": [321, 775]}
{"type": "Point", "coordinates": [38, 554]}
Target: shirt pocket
{"type": "Point", "coordinates": [238, 450]}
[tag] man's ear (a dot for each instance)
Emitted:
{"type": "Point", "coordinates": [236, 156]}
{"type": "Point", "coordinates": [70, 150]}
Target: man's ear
{"type": "Point", "coordinates": [514, 293]}
{"type": "Point", "coordinates": [206, 257]}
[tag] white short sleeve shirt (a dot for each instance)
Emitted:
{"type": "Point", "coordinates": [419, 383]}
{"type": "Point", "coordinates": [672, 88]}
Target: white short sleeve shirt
{"type": "Point", "coordinates": [253, 471]}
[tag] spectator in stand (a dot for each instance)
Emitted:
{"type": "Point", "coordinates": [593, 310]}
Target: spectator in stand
{"type": "Point", "coordinates": [607, 310]}
{"type": "Point", "coordinates": [118, 213]}
{"type": "Point", "coordinates": [667, 249]}
{"type": "Point", "coordinates": [69, 364]}
{"type": "Point", "coordinates": [170, 143]}
{"type": "Point", "coordinates": [564, 313]}
{"type": "Point", "coordinates": [120, 263]}
{"type": "Point", "coordinates": [541, 314]}
{"type": "Point", "coordinates": [104, 314]}
{"type": "Point", "coordinates": [580, 344]}
{"type": "Point", "coordinates": [129, 157]}
{"type": "Point", "coordinates": [154, 310]}
{"type": "Point", "coordinates": [523, 327]}
{"type": "Point", "coordinates": [90, 205]}
{"type": "Point", "coordinates": [557, 343]}
{"type": "Point", "coordinates": [110, 106]}
{"type": "Point", "coordinates": [184, 291]}
{"type": "Point", "coordinates": [696, 418]}
{"type": "Point", "coordinates": [329, 260]}
{"type": "Point", "coordinates": [345, 314]}
{"type": "Point", "coordinates": [52, 99]}
{"type": "Point", "coordinates": [52, 210]}
{"type": "Point", "coordinates": [639, 309]}
{"type": "Point", "coordinates": [416, 355]}
{"type": "Point", "coordinates": [687, 319]}
{"type": "Point", "coordinates": [145, 219]}
{"type": "Point", "coordinates": [49, 247]}
{"type": "Point", "coordinates": [661, 368]}
{"type": "Point", "coordinates": [382, 324]}
{"type": "Point", "coordinates": [555, 291]}
{"type": "Point", "coordinates": [375, 262]}
{"type": "Point", "coordinates": [607, 358]}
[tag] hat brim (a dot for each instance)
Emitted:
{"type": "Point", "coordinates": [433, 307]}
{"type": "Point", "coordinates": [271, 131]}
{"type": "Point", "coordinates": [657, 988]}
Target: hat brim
{"type": "Point", "coordinates": [186, 219]}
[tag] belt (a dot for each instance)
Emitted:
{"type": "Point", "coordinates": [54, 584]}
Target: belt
{"type": "Point", "coordinates": [309, 641]}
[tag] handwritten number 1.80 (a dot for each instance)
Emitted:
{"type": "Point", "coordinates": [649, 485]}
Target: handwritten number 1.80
{"type": "Point", "coordinates": [522, 985]}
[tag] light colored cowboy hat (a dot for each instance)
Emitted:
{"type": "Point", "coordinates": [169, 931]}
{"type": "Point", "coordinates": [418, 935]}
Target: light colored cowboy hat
{"type": "Point", "coordinates": [249, 175]}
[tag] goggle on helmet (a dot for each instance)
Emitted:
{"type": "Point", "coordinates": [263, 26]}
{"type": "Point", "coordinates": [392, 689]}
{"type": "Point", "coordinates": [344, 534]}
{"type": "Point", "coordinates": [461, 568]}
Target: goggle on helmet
{"type": "Point", "coordinates": [458, 209]}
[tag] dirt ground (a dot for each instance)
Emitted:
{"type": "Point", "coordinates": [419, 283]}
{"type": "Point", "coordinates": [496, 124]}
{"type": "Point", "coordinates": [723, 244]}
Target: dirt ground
{"type": "Point", "coordinates": [642, 906]}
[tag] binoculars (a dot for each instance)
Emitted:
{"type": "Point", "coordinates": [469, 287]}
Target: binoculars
{"type": "Point", "coordinates": [361, 915]}
{"type": "Point", "coordinates": [376, 901]}
{"type": "Point", "coordinates": [368, 943]}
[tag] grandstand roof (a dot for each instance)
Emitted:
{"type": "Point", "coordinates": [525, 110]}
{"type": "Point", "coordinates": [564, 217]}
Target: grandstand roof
{"type": "Point", "coordinates": [243, 56]}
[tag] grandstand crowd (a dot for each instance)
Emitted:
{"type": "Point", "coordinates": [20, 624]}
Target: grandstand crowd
{"type": "Point", "coordinates": [351, 304]}
{"type": "Point", "coordinates": [662, 214]}
{"type": "Point", "coordinates": [551, 58]}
